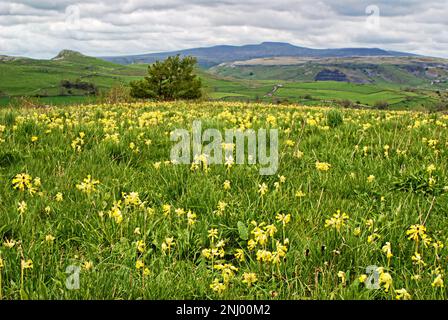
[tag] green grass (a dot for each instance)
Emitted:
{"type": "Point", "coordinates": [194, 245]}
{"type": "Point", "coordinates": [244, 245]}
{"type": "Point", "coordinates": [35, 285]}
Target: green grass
{"type": "Point", "coordinates": [321, 261]}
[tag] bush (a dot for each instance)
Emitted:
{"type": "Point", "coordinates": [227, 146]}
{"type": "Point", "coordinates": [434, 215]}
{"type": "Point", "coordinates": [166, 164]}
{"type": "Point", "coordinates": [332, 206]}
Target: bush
{"type": "Point", "coordinates": [334, 118]}
{"type": "Point", "coordinates": [346, 103]}
{"type": "Point", "coordinates": [381, 105]}
{"type": "Point", "coordinates": [171, 79]}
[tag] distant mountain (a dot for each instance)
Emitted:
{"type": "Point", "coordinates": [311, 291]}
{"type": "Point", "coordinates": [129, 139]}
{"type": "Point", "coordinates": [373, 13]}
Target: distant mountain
{"type": "Point", "coordinates": [211, 56]}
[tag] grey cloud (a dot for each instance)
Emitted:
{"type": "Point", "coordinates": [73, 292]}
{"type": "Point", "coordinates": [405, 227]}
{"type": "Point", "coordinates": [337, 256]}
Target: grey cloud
{"type": "Point", "coordinates": [40, 28]}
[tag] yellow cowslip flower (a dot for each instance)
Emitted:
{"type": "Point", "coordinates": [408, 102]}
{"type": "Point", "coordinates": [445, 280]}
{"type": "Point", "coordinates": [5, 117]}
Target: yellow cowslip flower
{"type": "Point", "coordinates": [322, 166]}
{"type": "Point", "coordinates": [373, 237]}
{"type": "Point", "coordinates": [21, 207]}
{"type": "Point", "coordinates": [207, 253]}
{"type": "Point", "coordinates": [227, 271]}
{"type": "Point", "coordinates": [47, 209]}
{"type": "Point", "coordinates": [139, 264]}
{"type": "Point", "coordinates": [137, 231]}
{"type": "Point", "coordinates": [26, 264]}
{"type": "Point", "coordinates": [131, 199]}
{"type": "Point", "coordinates": [385, 279]}
{"type": "Point", "coordinates": [221, 244]}
{"type": "Point", "coordinates": [226, 185]}
{"type": "Point", "coordinates": [213, 234]}
{"type": "Point", "coordinates": [300, 194]}
{"type": "Point", "coordinates": [337, 221]}
{"type": "Point", "coordinates": [115, 212]}
{"type": "Point", "coordinates": [343, 277]}
{"type": "Point", "coordinates": [49, 238]}
{"type": "Point", "coordinates": [262, 189]}
{"type": "Point", "coordinates": [271, 230]}
{"type": "Point", "coordinates": [264, 256]}
{"type": "Point", "coordinates": [22, 181]}
{"type": "Point", "coordinates": [191, 216]}
{"type": "Point", "coordinates": [298, 154]}
{"type": "Point", "coordinates": [34, 139]}
{"type": "Point", "coordinates": [387, 250]}
{"type": "Point", "coordinates": [416, 232]}
{"type": "Point", "coordinates": [260, 236]}
{"type": "Point", "coordinates": [438, 245]}
{"type": "Point", "coordinates": [218, 286]}
{"type": "Point", "coordinates": [251, 244]}
{"type": "Point", "coordinates": [438, 281]}
{"type": "Point", "coordinates": [59, 197]}
{"type": "Point", "coordinates": [87, 265]}
{"type": "Point", "coordinates": [357, 232]}
{"type": "Point", "coordinates": [9, 243]}
{"type": "Point", "coordinates": [146, 272]}
{"type": "Point", "coordinates": [402, 294]}
{"type": "Point", "coordinates": [167, 244]}
{"type": "Point", "coordinates": [239, 254]}
{"type": "Point", "coordinates": [431, 168]}
{"type": "Point", "coordinates": [362, 278]}
{"type": "Point", "coordinates": [88, 185]}
{"type": "Point", "coordinates": [370, 178]}
{"type": "Point", "coordinates": [179, 212]}
{"type": "Point", "coordinates": [283, 218]}
{"type": "Point", "coordinates": [166, 209]}
{"type": "Point", "coordinates": [157, 165]}
{"type": "Point", "coordinates": [141, 246]}
{"type": "Point", "coordinates": [418, 259]}
{"type": "Point", "coordinates": [249, 278]}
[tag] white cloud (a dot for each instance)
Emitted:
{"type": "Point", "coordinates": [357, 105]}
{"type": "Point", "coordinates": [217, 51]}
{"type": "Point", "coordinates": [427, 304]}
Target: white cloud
{"type": "Point", "coordinates": [41, 28]}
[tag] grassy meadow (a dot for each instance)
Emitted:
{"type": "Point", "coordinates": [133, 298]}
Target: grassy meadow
{"type": "Point", "coordinates": [92, 186]}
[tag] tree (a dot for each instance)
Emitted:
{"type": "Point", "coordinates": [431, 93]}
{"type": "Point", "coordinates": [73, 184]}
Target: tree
{"type": "Point", "coordinates": [168, 80]}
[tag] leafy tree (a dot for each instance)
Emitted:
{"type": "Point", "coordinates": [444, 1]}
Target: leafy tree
{"type": "Point", "coordinates": [168, 80]}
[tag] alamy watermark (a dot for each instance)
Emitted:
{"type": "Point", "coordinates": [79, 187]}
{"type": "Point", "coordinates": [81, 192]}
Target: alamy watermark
{"type": "Point", "coordinates": [72, 280]}
{"type": "Point", "coordinates": [373, 21]}
{"type": "Point", "coordinates": [262, 147]}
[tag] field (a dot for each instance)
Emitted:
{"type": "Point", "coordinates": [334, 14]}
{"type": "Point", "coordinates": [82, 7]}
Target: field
{"type": "Point", "coordinates": [357, 209]}
{"type": "Point", "coordinates": [43, 80]}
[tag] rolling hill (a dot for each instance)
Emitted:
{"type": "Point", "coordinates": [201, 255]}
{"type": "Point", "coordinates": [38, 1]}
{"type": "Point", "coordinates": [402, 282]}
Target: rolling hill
{"type": "Point", "coordinates": [400, 82]}
{"type": "Point", "coordinates": [211, 56]}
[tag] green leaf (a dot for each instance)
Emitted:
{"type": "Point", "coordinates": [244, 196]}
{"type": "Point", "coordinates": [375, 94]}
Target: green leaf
{"type": "Point", "coordinates": [243, 231]}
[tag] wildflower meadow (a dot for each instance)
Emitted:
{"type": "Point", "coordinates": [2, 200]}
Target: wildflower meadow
{"type": "Point", "coordinates": [93, 207]}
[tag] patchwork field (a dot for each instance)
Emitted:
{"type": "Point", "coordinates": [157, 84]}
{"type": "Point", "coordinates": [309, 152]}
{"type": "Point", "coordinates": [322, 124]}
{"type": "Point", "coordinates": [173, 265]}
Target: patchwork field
{"type": "Point", "coordinates": [357, 209]}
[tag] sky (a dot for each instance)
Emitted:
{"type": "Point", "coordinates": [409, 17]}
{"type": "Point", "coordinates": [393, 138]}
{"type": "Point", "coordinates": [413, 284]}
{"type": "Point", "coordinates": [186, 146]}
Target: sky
{"type": "Point", "coordinates": [41, 28]}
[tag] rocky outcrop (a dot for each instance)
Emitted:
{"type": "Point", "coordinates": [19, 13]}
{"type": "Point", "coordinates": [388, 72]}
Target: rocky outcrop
{"type": "Point", "coordinates": [331, 75]}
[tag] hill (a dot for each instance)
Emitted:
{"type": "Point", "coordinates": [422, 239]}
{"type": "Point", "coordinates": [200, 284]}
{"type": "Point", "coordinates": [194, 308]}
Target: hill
{"type": "Point", "coordinates": [211, 56]}
{"type": "Point", "coordinates": [70, 73]}
{"type": "Point", "coordinates": [71, 77]}
{"type": "Point", "coordinates": [399, 71]}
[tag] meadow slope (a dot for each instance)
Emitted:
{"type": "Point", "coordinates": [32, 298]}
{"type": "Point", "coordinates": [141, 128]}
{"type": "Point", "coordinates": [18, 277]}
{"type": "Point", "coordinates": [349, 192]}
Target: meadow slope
{"type": "Point", "coordinates": [93, 187]}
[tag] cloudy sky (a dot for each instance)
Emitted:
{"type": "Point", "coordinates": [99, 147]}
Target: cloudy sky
{"type": "Point", "coordinates": [41, 28]}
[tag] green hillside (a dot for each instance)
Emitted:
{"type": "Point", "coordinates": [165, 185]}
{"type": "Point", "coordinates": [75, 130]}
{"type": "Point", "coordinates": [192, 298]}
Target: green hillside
{"type": "Point", "coordinates": [74, 78]}
{"type": "Point", "coordinates": [23, 76]}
